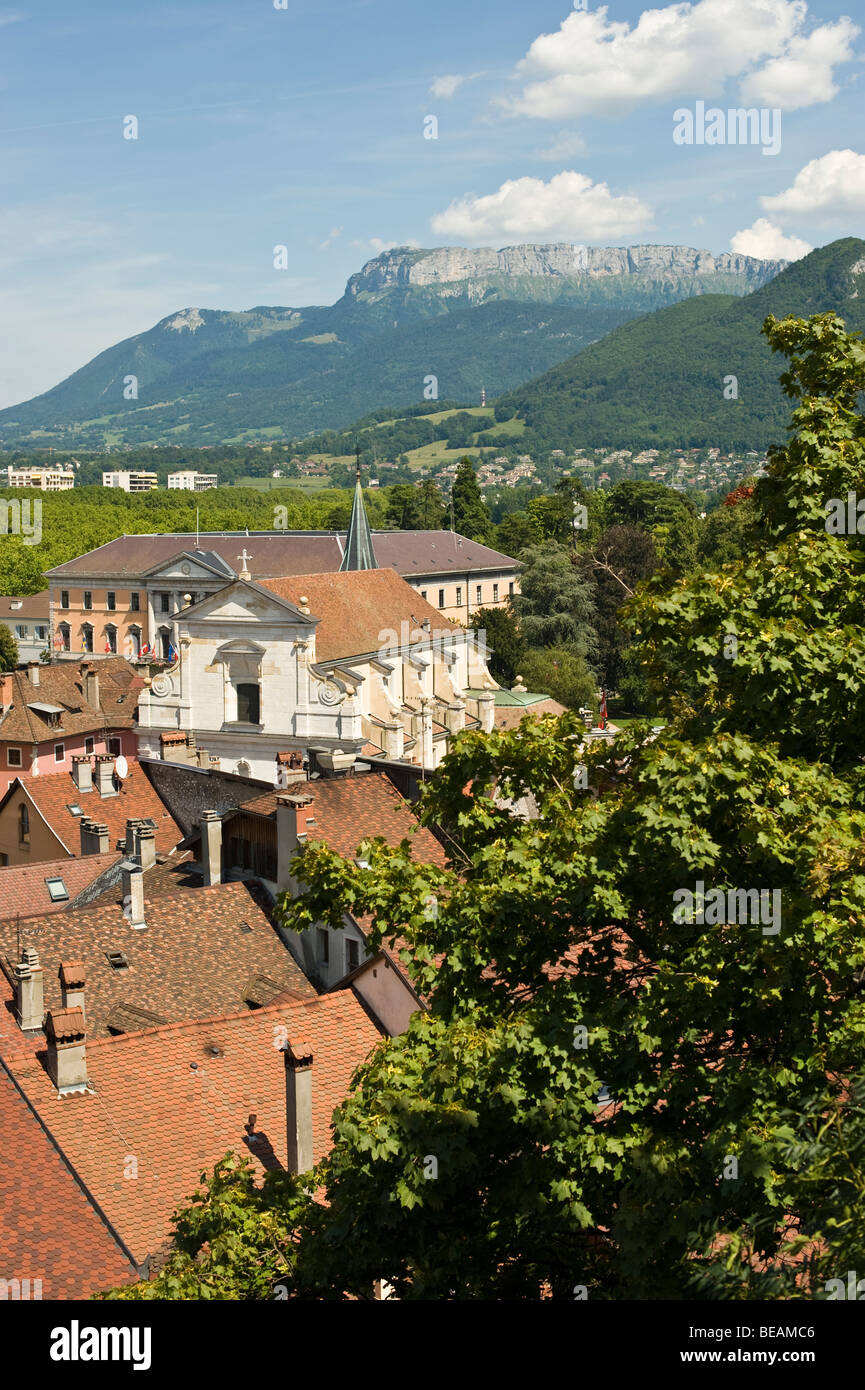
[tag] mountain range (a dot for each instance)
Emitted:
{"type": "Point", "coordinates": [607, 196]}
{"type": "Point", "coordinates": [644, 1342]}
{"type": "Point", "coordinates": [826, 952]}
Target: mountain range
{"type": "Point", "coordinates": [412, 324]}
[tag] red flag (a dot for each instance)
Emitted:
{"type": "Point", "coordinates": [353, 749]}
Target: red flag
{"type": "Point", "coordinates": [603, 714]}
{"type": "Point", "coordinates": [108, 646]}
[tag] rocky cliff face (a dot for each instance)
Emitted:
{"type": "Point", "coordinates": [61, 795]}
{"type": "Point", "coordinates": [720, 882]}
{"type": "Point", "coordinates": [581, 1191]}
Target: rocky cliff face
{"type": "Point", "coordinates": [452, 265]}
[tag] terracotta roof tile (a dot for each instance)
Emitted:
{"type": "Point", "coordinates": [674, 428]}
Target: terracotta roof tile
{"type": "Point", "coordinates": [62, 685]}
{"type": "Point", "coordinates": [48, 1229]}
{"type": "Point", "coordinates": [173, 1100]}
{"type": "Point", "coordinates": [24, 892]}
{"type": "Point", "coordinates": [53, 795]}
{"type": "Point", "coordinates": [192, 960]}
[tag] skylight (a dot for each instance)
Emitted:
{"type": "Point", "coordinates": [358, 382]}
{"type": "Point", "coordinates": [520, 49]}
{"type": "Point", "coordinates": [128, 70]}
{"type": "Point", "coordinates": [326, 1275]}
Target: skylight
{"type": "Point", "coordinates": [57, 890]}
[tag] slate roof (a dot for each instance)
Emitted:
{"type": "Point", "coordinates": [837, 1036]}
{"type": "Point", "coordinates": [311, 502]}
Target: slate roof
{"type": "Point", "coordinates": [192, 960]}
{"type": "Point", "coordinates": [48, 1228]}
{"type": "Point", "coordinates": [179, 1097]}
{"type": "Point", "coordinates": [359, 609]}
{"type": "Point", "coordinates": [410, 553]}
{"type": "Point", "coordinates": [347, 809]}
{"type": "Point", "coordinates": [52, 796]}
{"type": "Point", "coordinates": [62, 685]}
{"type": "Point", "coordinates": [23, 890]}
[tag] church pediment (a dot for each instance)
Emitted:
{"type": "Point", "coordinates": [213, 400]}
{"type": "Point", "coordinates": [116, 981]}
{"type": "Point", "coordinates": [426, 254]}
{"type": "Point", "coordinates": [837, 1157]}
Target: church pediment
{"type": "Point", "coordinates": [245, 603]}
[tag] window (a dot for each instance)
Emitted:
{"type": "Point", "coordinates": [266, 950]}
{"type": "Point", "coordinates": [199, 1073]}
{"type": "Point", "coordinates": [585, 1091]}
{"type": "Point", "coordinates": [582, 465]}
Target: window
{"type": "Point", "coordinates": [88, 747]}
{"type": "Point", "coordinates": [59, 752]}
{"type": "Point", "coordinates": [4, 858]}
{"type": "Point", "coordinates": [352, 954]}
{"type": "Point", "coordinates": [441, 598]}
{"type": "Point", "coordinates": [495, 593]}
{"type": "Point", "coordinates": [164, 643]}
{"type": "Point", "coordinates": [164, 603]}
{"type": "Point", "coordinates": [23, 825]}
{"type": "Point", "coordinates": [111, 599]}
{"type": "Point", "coordinates": [423, 593]}
{"type": "Point", "coordinates": [459, 595]}
{"type": "Point", "coordinates": [135, 640]}
{"type": "Point", "coordinates": [323, 946]}
{"type": "Point", "coordinates": [57, 890]}
{"type": "Point", "coordinates": [114, 747]}
{"type": "Point", "coordinates": [511, 589]}
{"type": "Point", "coordinates": [479, 594]}
{"type": "Point", "coordinates": [111, 637]}
{"type": "Point", "coordinates": [87, 636]}
{"type": "Point", "coordinates": [42, 632]}
{"type": "Point", "coordinates": [88, 599]}
{"type": "Point", "coordinates": [64, 598]}
{"type": "Point", "coordinates": [13, 757]}
{"type": "Point", "coordinates": [248, 703]}
{"type": "Point", "coordinates": [64, 636]}
{"type": "Point", "coordinates": [135, 603]}
{"type": "Point", "coordinates": [20, 630]}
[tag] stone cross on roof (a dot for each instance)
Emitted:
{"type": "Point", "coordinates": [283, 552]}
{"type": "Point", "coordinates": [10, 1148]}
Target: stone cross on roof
{"type": "Point", "coordinates": [244, 558]}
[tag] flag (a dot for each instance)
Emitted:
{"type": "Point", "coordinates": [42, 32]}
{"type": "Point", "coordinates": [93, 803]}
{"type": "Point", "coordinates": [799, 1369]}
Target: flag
{"type": "Point", "coordinates": [145, 650]}
{"type": "Point", "coordinates": [107, 645]}
{"type": "Point", "coordinates": [603, 712]}
{"type": "Point", "coordinates": [172, 652]}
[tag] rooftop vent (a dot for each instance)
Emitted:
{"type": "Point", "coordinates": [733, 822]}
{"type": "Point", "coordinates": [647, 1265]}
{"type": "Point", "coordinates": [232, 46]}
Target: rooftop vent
{"type": "Point", "coordinates": [117, 960]}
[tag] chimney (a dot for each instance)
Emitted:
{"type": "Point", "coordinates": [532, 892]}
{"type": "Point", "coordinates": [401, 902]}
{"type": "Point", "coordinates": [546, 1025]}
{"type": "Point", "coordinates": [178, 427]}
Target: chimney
{"type": "Point", "coordinates": [130, 844]}
{"type": "Point", "coordinates": [94, 837]}
{"type": "Point", "coordinates": [133, 893]}
{"type": "Point", "coordinates": [29, 997]}
{"type": "Point", "coordinates": [33, 672]}
{"type": "Point", "coordinates": [5, 691]}
{"type": "Point", "coordinates": [105, 775]}
{"type": "Point", "coordinates": [67, 1054]}
{"type": "Point", "coordinates": [90, 683]}
{"type": "Point", "coordinates": [298, 1104]}
{"type": "Point", "coordinates": [71, 974]}
{"type": "Point", "coordinates": [211, 847]}
{"type": "Point", "coordinates": [146, 837]}
{"type": "Point", "coordinates": [292, 813]}
{"type": "Point", "coordinates": [82, 774]}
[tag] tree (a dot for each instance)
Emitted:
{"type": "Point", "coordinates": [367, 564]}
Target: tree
{"type": "Point", "coordinates": [470, 514]}
{"type": "Point", "coordinates": [430, 507]}
{"type": "Point", "coordinates": [668, 515]}
{"type": "Point", "coordinates": [514, 533]}
{"type": "Point", "coordinates": [503, 639]}
{"type": "Point", "coordinates": [561, 673]}
{"type": "Point", "coordinates": [634, 1079]}
{"type": "Point", "coordinates": [616, 564]}
{"type": "Point", "coordinates": [555, 604]}
{"type": "Point", "coordinates": [8, 649]}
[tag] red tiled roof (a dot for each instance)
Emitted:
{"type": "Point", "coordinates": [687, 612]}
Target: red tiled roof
{"type": "Point", "coordinates": [178, 1097]}
{"type": "Point", "coordinates": [347, 810]}
{"type": "Point", "coordinates": [23, 891]}
{"type": "Point", "coordinates": [48, 1229]}
{"type": "Point", "coordinates": [62, 685]}
{"type": "Point", "coordinates": [358, 609]}
{"type": "Point", "coordinates": [53, 795]}
{"type": "Point", "coordinates": [192, 959]}
{"type": "Point", "coordinates": [17, 609]}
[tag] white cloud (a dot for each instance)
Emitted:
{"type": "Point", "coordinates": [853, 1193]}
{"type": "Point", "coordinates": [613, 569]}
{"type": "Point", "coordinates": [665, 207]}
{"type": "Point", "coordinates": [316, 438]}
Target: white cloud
{"type": "Point", "coordinates": [569, 207]}
{"type": "Point", "coordinates": [565, 147]}
{"type": "Point", "coordinates": [330, 238]}
{"type": "Point", "coordinates": [593, 65]}
{"type": "Point", "coordinates": [768, 243]}
{"type": "Point", "coordinates": [804, 74]}
{"type": "Point", "coordinates": [825, 188]}
{"type": "Point", "coordinates": [446, 86]}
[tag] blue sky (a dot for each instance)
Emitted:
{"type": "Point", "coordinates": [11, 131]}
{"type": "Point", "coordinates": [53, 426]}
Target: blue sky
{"type": "Point", "coordinates": [304, 126]}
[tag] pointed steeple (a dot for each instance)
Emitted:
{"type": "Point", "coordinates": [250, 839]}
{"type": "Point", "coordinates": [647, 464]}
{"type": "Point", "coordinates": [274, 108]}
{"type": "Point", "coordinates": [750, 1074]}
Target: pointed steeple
{"type": "Point", "coordinates": [359, 552]}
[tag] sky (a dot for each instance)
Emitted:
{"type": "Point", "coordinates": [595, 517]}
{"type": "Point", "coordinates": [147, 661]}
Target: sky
{"type": "Point", "coordinates": [339, 128]}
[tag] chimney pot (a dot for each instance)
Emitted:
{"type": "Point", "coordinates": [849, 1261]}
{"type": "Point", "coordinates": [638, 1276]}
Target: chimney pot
{"type": "Point", "coordinates": [72, 978]}
{"type": "Point", "coordinates": [29, 990]}
{"type": "Point", "coordinates": [90, 684]}
{"type": "Point", "coordinates": [33, 672]}
{"type": "Point", "coordinates": [105, 775]}
{"type": "Point", "coordinates": [67, 1053]}
{"type": "Point", "coordinates": [298, 1104]}
{"type": "Point", "coordinates": [146, 839]}
{"type": "Point", "coordinates": [82, 773]}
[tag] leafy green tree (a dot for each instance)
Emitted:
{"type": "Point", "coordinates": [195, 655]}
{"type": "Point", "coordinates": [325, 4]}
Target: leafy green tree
{"type": "Point", "coordinates": [430, 509]}
{"type": "Point", "coordinates": [470, 514]}
{"type": "Point", "coordinates": [730, 532]}
{"type": "Point", "coordinates": [621, 558]}
{"type": "Point", "coordinates": [514, 533]}
{"type": "Point", "coordinates": [8, 649]}
{"type": "Point", "coordinates": [556, 603]}
{"type": "Point", "coordinates": [562, 673]}
{"type": "Point", "coordinates": [668, 515]}
{"type": "Point", "coordinates": [503, 638]}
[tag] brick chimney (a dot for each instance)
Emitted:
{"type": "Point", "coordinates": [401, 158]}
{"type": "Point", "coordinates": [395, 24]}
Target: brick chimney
{"type": "Point", "coordinates": [82, 773]}
{"type": "Point", "coordinates": [33, 672]}
{"type": "Point", "coordinates": [95, 838]}
{"type": "Point", "coordinates": [71, 974]}
{"type": "Point", "coordinates": [90, 683]}
{"type": "Point", "coordinates": [295, 817]}
{"type": "Point", "coordinates": [5, 691]}
{"type": "Point", "coordinates": [67, 1053]}
{"type": "Point", "coordinates": [105, 775]}
{"type": "Point", "coordinates": [298, 1104]}
{"type": "Point", "coordinates": [29, 996]}
{"type": "Point", "coordinates": [146, 838]}
{"type": "Point", "coordinates": [211, 847]}
{"type": "Point", "coordinates": [133, 893]}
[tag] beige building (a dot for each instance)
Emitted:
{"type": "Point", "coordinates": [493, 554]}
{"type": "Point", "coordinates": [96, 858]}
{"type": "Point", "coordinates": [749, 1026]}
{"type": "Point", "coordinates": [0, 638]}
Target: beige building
{"type": "Point", "coordinates": [187, 480]}
{"type": "Point", "coordinates": [46, 479]}
{"type": "Point", "coordinates": [130, 481]}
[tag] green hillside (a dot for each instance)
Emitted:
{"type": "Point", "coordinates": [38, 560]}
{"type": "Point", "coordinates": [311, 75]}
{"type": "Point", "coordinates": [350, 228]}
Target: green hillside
{"type": "Point", "coordinates": [660, 380]}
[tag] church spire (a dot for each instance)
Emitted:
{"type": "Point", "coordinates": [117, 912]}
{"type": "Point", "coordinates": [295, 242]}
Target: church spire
{"type": "Point", "coordinates": [359, 552]}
